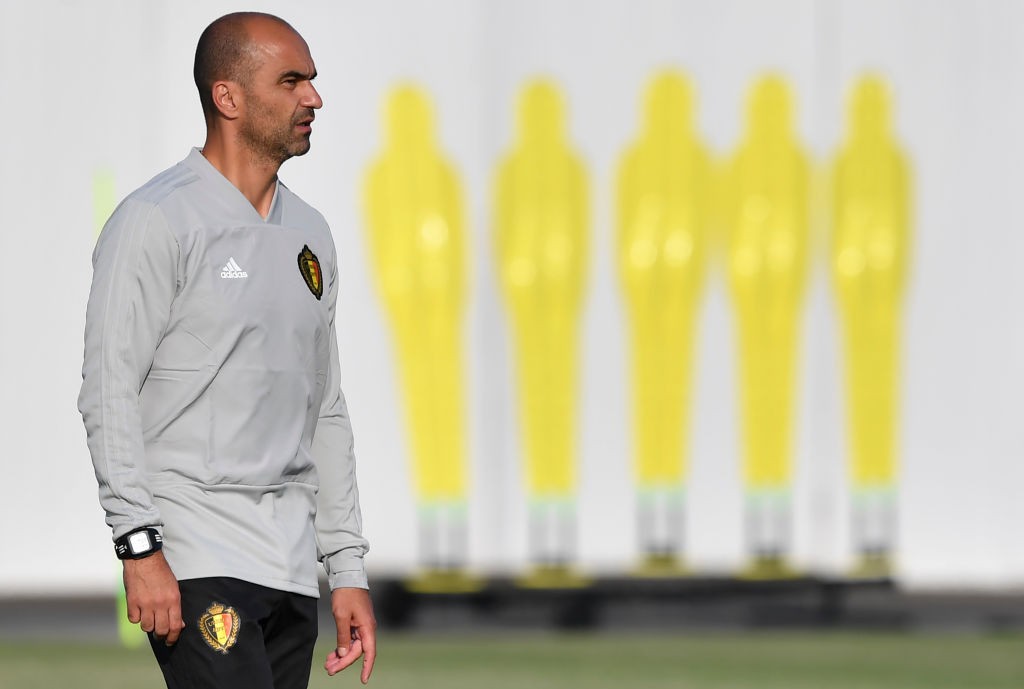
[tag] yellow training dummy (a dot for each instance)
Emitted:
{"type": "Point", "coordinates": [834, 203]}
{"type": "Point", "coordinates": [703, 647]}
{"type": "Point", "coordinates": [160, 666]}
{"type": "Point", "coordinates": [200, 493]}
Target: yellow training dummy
{"type": "Point", "coordinates": [870, 253]}
{"type": "Point", "coordinates": [417, 236]}
{"type": "Point", "coordinates": [664, 192]}
{"type": "Point", "coordinates": [542, 247]}
{"type": "Point", "coordinates": [766, 216]}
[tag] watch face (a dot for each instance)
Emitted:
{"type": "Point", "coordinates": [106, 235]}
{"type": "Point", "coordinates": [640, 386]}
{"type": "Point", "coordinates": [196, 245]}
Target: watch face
{"type": "Point", "coordinates": [139, 542]}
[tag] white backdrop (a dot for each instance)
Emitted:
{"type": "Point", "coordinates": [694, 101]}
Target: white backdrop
{"type": "Point", "coordinates": [90, 86]}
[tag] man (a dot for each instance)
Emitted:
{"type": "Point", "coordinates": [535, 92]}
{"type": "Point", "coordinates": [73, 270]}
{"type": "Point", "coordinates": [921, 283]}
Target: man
{"type": "Point", "coordinates": [211, 398]}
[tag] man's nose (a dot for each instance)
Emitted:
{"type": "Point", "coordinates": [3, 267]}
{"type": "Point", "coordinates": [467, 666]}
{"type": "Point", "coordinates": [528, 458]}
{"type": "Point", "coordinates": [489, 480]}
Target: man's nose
{"type": "Point", "coordinates": [311, 98]}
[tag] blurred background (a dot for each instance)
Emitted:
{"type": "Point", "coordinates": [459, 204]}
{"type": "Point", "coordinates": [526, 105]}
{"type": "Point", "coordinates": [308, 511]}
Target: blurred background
{"type": "Point", "coordinates": [99, 97]}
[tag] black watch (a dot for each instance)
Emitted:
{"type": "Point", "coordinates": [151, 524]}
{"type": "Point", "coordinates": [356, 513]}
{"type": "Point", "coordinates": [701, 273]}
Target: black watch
{"type": "Point", "coordinates": [138, 544]}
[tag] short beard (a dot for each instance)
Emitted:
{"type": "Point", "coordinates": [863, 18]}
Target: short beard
{"type": "Point", "coordinates": [267, 141]}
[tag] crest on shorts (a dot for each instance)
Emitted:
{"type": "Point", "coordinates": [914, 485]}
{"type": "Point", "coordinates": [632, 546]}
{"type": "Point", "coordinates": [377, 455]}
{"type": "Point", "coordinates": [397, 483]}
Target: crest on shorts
{"type": "Point", "coordinates": [219, 627]}
{"type": "Point", "coordinates": [309, 266]}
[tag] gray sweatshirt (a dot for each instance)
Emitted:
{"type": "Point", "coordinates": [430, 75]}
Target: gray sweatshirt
{"type": "Point", "coordinates": [211, 393]}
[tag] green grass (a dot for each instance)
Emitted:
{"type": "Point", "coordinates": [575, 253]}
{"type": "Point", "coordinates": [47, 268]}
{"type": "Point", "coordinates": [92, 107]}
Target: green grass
{"type": "Point", "coordinates": [548, 661]}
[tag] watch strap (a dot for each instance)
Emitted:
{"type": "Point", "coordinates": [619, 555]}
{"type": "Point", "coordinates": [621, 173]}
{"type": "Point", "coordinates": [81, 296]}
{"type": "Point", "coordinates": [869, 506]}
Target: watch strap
{"type": "Point", "coordinates": [127, 547]}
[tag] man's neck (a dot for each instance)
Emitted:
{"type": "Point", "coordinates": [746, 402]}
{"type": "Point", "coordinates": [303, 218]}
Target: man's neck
{"type": "Point", "coordinates": [254, 176]}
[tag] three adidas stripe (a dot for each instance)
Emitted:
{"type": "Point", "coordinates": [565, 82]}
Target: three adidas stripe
{"type": "Point", "coordinates": [232, 270]}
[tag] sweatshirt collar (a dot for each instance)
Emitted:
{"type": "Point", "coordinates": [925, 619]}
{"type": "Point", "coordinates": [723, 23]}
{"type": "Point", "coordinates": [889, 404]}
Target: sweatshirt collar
{"type": "Point", "coordinates": [231, 194]}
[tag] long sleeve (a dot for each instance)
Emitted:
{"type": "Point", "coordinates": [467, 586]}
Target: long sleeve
{"type": "Point", "coordinates": [338, 520]}
{"type": "Point", "coordinates": [134, 282]}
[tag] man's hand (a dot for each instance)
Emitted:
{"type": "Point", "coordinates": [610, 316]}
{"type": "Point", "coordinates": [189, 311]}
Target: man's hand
{"type": "Point", "coordinates": [154, 601]}
{"type": "Point", "coordinates": [357, 630]}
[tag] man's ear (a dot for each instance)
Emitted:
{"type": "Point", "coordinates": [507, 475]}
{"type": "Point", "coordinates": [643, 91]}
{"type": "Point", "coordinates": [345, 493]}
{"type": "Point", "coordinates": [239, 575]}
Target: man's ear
{"type": "Point", "coordinates": [227, 98]}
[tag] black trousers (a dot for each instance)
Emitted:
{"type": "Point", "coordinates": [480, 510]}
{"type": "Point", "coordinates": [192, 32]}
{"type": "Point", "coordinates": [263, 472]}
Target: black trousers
{"type": "Point", "coordinates": [239, 634]}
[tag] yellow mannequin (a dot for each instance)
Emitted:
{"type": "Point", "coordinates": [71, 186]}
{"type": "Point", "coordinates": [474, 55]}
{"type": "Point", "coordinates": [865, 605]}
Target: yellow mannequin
{"type": "Point", "coordinates": [416, 234]}
{"type": "Point", "coordinates": [542, 246]}
{"type": "Point", "coordinates": [664, 187]}
{"type": "Point", "coordinates": [104, 198]}
{"type": "Point", "coordinates": [767, 222]}
{"type": "Point", "coordinates": [870, 248]}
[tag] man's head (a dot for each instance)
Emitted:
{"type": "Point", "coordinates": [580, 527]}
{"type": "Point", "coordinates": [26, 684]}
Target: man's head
{"type": "Point", "coordinates": [254, 73]}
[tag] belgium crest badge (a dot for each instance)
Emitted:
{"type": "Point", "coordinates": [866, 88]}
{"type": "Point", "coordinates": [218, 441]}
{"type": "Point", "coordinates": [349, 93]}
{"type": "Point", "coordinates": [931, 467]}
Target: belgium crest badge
{"type": "Point", "coordinates": [309, 267]}
{"type": "Point", "coordinates": [219, 627]}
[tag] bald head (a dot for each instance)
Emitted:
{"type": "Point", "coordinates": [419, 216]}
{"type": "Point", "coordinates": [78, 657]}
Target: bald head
{"type": "Point", "coordinates": [227, 52]}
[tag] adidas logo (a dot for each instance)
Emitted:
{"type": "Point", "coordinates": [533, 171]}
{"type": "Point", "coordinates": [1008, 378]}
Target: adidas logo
{"type": "Point", "coordinates": [232, 270]}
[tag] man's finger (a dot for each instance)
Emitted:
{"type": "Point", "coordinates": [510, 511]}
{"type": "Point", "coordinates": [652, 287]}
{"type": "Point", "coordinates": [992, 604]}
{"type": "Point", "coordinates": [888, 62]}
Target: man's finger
{"type": "Point", "coordinates": [345, 635]}
{"type": "Point", "coordinates": [146, 621]}
{"type": "Point", "coordinates": [336, 662]}
{"type": "Point", "coordinates": [134, 614]}
{"type": "Point", "coordinates": [161, 624]}
{"type": "Point", "coordinates": [177, 625]}
{"type": "Point", "coordinates": [369, 641]}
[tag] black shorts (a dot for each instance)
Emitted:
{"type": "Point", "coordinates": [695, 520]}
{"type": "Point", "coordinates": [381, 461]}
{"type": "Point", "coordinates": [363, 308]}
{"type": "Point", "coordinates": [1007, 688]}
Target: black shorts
{"type": "Point", "coordinates": [239, 634]}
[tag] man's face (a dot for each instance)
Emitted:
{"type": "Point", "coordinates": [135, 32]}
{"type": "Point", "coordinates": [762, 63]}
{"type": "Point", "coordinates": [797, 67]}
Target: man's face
{"type": "Point", "coordinates": [280, 99]}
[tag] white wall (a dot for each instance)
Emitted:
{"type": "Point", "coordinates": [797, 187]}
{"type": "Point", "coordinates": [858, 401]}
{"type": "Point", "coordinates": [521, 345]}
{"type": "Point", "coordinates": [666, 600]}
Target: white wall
{"type": "Point", "coordinates": [89, 86]}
